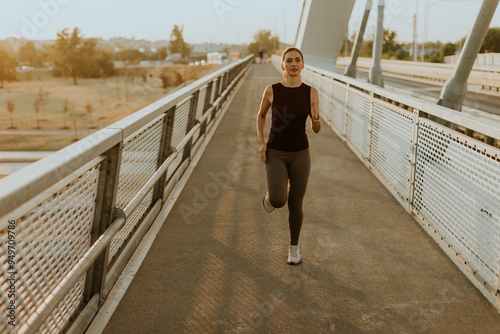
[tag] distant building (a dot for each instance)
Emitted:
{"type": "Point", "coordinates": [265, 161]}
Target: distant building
{"type": "Point", "coordinates": [234, 56]}
{"type": "Point", "coordinates": [206, 48]}
{"type": "Point", "coordinates": [214, 58]}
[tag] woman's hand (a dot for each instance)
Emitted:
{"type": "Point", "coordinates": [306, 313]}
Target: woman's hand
{"type": "Point", "coordinates": [263, 149]}
{"type": "Point", "coordinates": [315, 121]}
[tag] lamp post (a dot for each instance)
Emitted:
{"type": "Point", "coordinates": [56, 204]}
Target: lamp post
{"type": "Point", "coordinates": [415, 34]}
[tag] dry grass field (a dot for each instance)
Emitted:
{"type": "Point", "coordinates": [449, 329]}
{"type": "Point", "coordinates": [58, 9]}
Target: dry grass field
{"type": "Point", "coordinates": [73, 112]}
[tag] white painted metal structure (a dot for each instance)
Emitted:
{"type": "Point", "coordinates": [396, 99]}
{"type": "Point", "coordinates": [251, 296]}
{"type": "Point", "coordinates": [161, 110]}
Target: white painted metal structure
{"type": "Point", "coordinates": [449, 181]}
{"type": "Point", "coordinates": [483, 59]}
{"type": "Point", "coordinates": [488, 78]}
{"type": "Point", "coordinates": [322, 30]}
{"type": "Point", "coordinates": [74, 218]}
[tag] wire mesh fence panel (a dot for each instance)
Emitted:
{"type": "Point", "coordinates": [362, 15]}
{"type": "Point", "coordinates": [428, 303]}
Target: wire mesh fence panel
{"type": "Point", "coordinates": [457, 193]}
{"type": "Point", "coordinates": [199, 110]}
{"type": "Point", "coordinates": [391, 146]}
{"type": "Point", "coordinates": [358, 121]}
{"type": "Point", "coordinates": [324, 96]}
{"type": "Point", "coordinates": [339, 105]}
{"type": "Point", "coordinates": [179, 132]}
{"type": "Point", "coordinates": [139, 163]}
{"type": "Point", "coordinates": [50, 234]}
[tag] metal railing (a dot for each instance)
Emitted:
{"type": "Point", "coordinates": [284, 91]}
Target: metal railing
{"type": "Point", "coordinates": [489, 61]}
{"type": "Point", "coordinates": [487, 77]}
{"type": "Point", "coordinates": [446, 176]}
{"type": "Point", "coordinates": [71, 221]}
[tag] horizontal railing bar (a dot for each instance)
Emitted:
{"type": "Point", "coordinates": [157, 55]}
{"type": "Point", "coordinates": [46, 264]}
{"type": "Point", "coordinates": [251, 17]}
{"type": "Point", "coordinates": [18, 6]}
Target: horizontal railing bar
{"type": "Point", "coordinates": [132, 123]}
{"type": "Point", "coordinates": [26, 183]}
{"type": "Point", "coordinates": [19, 211]}
{"type": "Point", "coordinates": [447, 68]}
{"type": "Point", "coordinates": [463, 119]}
{"type": "Point", "coordinates": [18, 188]}
{"type": "Point", "coordinates": [453, 116]}
{"type": "Point", "coordinates": [50, 303]}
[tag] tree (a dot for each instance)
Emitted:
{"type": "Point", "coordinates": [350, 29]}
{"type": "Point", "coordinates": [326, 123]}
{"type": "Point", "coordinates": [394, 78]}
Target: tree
{"type": "Point", "coordinates": [367, 47]}
{"type": "Point", "coordinates": [179, 80]}
{"type": "Point", "coordinates": [491, 41]}
{"type": "Point", "coordinates": [103, 65]}
{"type": "Point", "coordinates": [130, 56]}
{"type": "Point", "coordinates": [68, 60]}
{"type": "Point", "coordinates": [177, 44]}
{"type": "Point", "coordinates": [40, 101]}
{"type": "Point", "coordinates": [75, 56]}
{"type": "Point", "coordinates": [42, 98]}
{"type": "Point", "coordinates": [164, 79]}
{"type": "Point", "coordinates": [392, 49]}
{"type": "Point", "coordinates": [27, 54]}
{"type": "Point", "coordinates": [265, 40]}
{"type": "Point", "coordinates": [65, 111]}
{"type": "Point", "coordinates": [461, 43]}
{"type": "Point", "coordinates": [161, 53]}
{"type": "Point", "coordinates": [36, 106]}
{"type": "Point", "coordinates": [89, 108]}
{"type": "Point", "coordinates": [7, 67]}
{"type": "Point", "coordinates": [448, 49]}
{"type": "Point", "coordinates": [74, 123]}
{"type": "Point", "coordinates": [10, 109]}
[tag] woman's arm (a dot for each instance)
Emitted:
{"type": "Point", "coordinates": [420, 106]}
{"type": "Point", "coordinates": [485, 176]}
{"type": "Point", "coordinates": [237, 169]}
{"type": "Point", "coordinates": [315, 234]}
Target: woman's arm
{"type": "Point", "coordinates": [315, 121]}
{"type": "Point", "coordinates": [266, 102]}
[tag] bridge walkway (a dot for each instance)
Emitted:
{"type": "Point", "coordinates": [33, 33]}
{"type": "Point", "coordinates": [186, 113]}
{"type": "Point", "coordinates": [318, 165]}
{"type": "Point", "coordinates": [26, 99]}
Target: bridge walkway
{"type": "Point", "coordinates": [217, 264]}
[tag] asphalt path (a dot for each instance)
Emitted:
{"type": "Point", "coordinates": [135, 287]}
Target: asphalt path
{"type": "Point", "coordinates": [217, 263]}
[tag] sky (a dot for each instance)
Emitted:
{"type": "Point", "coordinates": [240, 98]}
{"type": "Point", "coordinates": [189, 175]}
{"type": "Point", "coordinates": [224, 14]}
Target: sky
{"type": "Point", "coordinates": [223, 21]}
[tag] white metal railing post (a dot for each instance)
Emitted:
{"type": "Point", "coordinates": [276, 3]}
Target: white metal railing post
{"type": "Point", "coordinates": [217, 85]}
{"type": "Point", "coordinates": [370, 130]}
{"type": "Point", "coordinates": [498, 288]}
{"type": "Point", "coordinates": [413, 161]}
{"type": "Point", "coordinates": [103, 218]}
{"type": "Point", "coordinates": [190, 123]}
{"type": "Point", "coordinates": [206, 106]}
{"type": "Point", "coordinates": [164, 151]}
{"type": "Point", "coordinates": [346, 110]}
{"type": "Point", "coordinates": [330, 101]}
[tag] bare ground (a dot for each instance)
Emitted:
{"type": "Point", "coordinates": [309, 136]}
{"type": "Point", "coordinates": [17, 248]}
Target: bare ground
{"type": "Point", "coordinates": [111, 99]}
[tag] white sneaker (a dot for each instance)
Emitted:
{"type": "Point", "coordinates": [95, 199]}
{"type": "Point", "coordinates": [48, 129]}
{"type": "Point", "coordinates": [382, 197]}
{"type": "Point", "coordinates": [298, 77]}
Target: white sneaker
{"type": "Point", "coordinates": [267, 206]}
{"type": "Point", "coordinates": [293, 255]}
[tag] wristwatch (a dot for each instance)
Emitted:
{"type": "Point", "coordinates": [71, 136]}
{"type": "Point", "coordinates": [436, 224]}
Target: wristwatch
{"type": "Point", "coordinates": [317, 120]}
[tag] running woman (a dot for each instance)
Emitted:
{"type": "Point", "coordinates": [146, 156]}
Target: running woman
{"type": "Point", "coordinates": [286, 152]}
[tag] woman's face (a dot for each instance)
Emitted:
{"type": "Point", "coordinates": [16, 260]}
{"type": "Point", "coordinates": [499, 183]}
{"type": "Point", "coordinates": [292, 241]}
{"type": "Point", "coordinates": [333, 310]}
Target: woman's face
{"type": "Point", "coordinates": [293, 63]}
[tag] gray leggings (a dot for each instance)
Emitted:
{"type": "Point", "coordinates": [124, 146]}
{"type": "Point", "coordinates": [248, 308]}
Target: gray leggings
{"type": "Point", "coordinates": [282, 167]}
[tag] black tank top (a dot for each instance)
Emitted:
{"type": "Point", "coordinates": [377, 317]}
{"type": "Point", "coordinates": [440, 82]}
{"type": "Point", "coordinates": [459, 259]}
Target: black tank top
{"type": "Point", "coordinates": [291, 106]}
